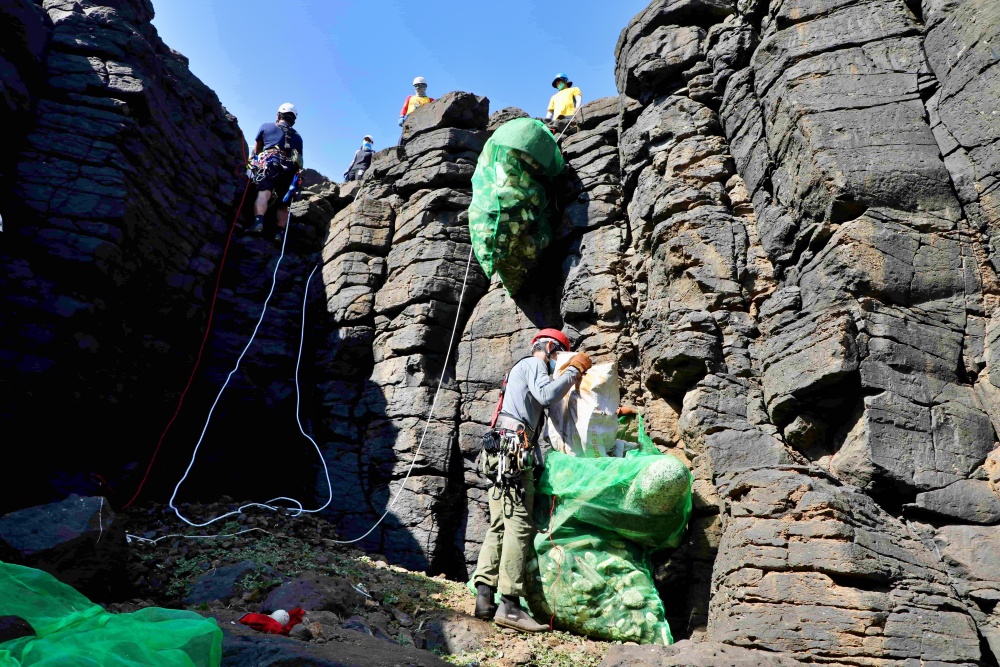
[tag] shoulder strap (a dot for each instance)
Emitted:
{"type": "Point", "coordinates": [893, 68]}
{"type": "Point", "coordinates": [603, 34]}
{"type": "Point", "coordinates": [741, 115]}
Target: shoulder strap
{"type": "Point", "coordinates": [503, 391]}
{"type": "Point", "coordinates": [289, 133]}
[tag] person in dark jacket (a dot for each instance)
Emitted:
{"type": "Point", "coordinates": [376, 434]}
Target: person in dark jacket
{"type": "Point", "coordinates": [362, 160]}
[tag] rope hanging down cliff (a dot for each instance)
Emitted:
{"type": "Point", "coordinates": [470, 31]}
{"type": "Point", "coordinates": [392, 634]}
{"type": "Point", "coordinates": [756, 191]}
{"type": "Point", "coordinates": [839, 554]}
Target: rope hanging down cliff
{"type": "Point", "coordinates": [201, 348]}
{"type": "Point", "coordinates": [298, 507]}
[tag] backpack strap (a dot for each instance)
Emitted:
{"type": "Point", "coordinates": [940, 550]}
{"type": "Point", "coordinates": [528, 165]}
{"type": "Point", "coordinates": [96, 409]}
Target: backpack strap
{"type": "Point", "coordinates": [288, 132]}
{"type": "Point", "coordinates": [496, 410]}
{"type": "Point", "coordinates": [503, 391]}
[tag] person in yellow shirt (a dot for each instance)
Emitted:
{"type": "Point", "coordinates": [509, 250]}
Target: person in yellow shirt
{"type": "Point", "coordinates": [563, 104]}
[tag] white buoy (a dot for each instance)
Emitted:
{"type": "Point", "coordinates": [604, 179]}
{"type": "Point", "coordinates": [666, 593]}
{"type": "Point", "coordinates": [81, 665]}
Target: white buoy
{"type": "Point", "coordinates": [281, 616]}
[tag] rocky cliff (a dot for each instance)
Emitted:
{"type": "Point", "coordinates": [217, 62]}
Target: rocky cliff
{"type": "Point", "coordinates": [117, 192]}
{"type": "Point", "coordinates": [784, 228]}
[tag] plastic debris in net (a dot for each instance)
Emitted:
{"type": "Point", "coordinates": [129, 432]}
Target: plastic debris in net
{"type": "Point", "coordinates": [609, 514]}
{"type": "Point", "coordinates": [508, 217]}
{"type": "Point", "coordinates": [583, 422]}
{"type": "Point", "coordinates": [71, 630]}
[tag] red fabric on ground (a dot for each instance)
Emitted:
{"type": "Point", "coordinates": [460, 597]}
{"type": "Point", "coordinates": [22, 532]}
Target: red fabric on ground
{"type": "Point", "coordinates": [266, 624]}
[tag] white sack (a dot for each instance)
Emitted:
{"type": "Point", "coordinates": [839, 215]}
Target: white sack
{"type": "Point", "coordinates": [584, 422]}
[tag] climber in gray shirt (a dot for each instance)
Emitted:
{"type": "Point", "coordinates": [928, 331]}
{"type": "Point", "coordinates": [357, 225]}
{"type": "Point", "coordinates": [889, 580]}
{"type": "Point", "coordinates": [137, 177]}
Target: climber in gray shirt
{"type": "Point", "coordinates": [528, 389]}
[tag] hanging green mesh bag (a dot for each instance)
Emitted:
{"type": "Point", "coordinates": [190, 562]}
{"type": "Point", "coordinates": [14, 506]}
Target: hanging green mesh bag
{"type": "Point", "coordinates": [594, 540]}
{"type": "Point", "coordinates": [71, 630]}
{"type": "Point", "coordinates": [508, 217]}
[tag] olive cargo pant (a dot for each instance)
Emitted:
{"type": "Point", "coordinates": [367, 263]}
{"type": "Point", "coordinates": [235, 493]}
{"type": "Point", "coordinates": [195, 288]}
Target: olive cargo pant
{"type": "Point", "coordinates": [509, 541]}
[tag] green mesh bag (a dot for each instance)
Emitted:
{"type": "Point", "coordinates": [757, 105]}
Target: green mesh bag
{"type": "Point", "coordinates": [508, 218]}
{"type": "Point", "coordinates": [71, 630]}
{"type": "Point", "coordinates": [608, 515]}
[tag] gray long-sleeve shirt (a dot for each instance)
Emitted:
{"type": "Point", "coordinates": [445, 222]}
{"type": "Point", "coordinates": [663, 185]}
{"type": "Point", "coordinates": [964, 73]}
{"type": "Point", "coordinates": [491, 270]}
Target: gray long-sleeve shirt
{"type": "Point", "coordinates": [530, 389]}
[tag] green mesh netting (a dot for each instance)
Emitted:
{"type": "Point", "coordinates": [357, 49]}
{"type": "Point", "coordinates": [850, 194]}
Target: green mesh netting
{"type": "Point", "coordinates": [593, 546]}
{"type": "Point", "coordinates": [508, 220]}
{"type": "Point", "coordinates": [71, 630]}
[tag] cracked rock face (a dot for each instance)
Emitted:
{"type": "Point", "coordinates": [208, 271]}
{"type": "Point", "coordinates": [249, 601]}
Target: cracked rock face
{"type": "Point", "coordinates": [784, 228]}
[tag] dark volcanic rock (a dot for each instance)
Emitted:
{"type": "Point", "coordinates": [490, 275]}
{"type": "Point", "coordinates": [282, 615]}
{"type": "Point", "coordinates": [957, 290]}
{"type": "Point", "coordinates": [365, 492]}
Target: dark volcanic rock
{"type": "Point", "coordinates": [118, 193]}
{"type": "Point", "coordinates": [498, 118]}
{"type": "Point", "coordinates": [79, 541]}
{"type": "Point", "coordinates": [457, 109]}
{"type": "Point", "coordinates": [244, 648]}
{"type": "Point", "coordinates": [969, 500]}
{"type": "Point", "coordinates": [455, 633]}
{"type": "Point", "coordinates": [690, 654]}
{"type": "Point", "coordinates": [314, 592]}
{"type": "Point", "coordinates": [224, 583]}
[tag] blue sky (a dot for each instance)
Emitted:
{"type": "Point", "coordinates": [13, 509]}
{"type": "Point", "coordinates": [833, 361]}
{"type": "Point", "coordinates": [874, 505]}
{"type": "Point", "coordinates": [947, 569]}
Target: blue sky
{"type": "Point", "coordinates": [348, 66]}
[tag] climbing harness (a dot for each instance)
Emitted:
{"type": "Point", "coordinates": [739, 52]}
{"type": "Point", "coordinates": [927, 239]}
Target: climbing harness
{"type": "Point", "coordinates": [508, 440]}
{"type": "Point", "coordinates": [264, 164]}
{"type": "Point", "coordinates": [276, 159]}
{"type": "Point", "coordinates": [514, 460]}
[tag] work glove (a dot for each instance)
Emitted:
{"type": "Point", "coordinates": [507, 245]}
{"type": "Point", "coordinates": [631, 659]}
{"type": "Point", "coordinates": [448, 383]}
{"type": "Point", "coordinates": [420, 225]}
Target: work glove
{"type": "Point", "coordinates": [581, 362]}
{"type": "Point", "coordinates": [401, 119]}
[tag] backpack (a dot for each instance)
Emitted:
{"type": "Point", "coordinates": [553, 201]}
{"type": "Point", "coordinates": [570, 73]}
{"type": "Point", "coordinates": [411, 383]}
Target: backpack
{"type": "Point", "coordinates": [291, 155]}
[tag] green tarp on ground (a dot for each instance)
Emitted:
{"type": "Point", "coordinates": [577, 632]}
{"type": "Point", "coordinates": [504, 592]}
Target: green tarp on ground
{"type": "Point", "coordinates": [73, 631]}
{"type": "Point", "coordinates": [508, 217]}
{"type": "Point", "coordinates": [592, 568]}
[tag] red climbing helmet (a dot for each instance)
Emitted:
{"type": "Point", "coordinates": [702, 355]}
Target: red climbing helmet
{"type": "Point", "coordinates": [554, 334]}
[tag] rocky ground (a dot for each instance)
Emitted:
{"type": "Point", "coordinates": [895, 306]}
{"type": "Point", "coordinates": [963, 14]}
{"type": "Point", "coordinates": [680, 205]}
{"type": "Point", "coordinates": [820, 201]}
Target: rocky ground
{"type": "Point", "coordinates": [356, 602]}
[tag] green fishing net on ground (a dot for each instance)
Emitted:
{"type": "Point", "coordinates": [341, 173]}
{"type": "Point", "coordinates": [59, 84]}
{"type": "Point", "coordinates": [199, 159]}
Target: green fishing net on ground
{"type": "Point", "coordinates": [508, 218]}
{"type": "Point", "coordinates": [72, 630]}
{"type": "Point", "coordinates": [593, 543]}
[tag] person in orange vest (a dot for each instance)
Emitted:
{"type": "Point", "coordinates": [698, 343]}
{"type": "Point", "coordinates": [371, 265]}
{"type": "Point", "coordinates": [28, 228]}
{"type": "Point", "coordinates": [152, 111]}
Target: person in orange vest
{"type": "Point", "coordinates": [414, 101]}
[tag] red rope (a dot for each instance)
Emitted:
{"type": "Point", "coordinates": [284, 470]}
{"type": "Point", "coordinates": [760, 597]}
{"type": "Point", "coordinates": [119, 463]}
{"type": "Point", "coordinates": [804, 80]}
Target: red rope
{"type": "Point", "coordinates": [552, 594]}
{"type": "Point", "coordinates": [204, 340]}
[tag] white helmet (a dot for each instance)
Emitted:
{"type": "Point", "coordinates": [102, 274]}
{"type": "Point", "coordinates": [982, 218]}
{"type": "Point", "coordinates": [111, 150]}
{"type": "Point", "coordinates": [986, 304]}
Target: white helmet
{"type": "Point", "coordinates": [420, 81]}
{"type": "Point", "coordinates": [288, 107]}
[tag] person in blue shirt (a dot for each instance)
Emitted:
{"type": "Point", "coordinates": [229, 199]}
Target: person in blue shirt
{"type": "Point", "coordinates": [276, 159]}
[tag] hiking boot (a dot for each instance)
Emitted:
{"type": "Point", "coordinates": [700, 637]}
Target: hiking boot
{"type": "Point", "coordinates": [279, 236]}
{"type": "Point", "coordinates": [510, 615]}
{"type": "Point", "coordinates": [258, 228]}
{"type": "Point", "coordinates": [485, 607]}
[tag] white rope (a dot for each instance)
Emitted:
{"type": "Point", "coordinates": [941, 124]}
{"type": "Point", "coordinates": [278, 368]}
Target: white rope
{"type": "Point", "coordinates": [571, 119]}
{"type": "Point", "coordinates": [146, 540]}
{"type": "Point", "coordinates": [298, 510]}
{"type": "Point", "coordinates": [268, 505]}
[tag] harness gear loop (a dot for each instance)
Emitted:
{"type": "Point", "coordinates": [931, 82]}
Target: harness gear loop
{"type": "Point", "coordinates": [275, 159]}
{"type": "Point", "coordinates": [515, 458]}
